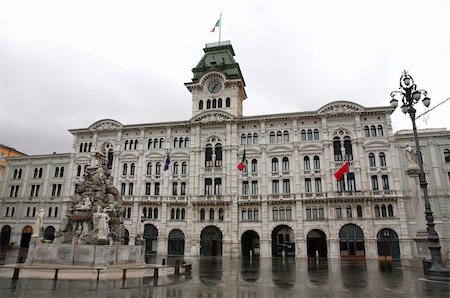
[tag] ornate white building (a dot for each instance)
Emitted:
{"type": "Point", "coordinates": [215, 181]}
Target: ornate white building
{"type": "Point", "coordinates": [286, 201]}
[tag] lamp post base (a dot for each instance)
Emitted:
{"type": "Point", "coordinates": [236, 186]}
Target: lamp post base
{"type": "Point", "coordinates": [435, 273]}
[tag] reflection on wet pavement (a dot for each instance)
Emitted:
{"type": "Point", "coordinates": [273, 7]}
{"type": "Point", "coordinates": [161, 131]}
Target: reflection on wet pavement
{"type": "Point", "coordinates": [249, 278]}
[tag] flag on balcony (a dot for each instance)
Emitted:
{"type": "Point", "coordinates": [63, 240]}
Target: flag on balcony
{"type": "Point", "coordinates": [167, 162]}
{"type": "Point", "coordinates": [344, 169]}
{"type": "Point", "coordinates": [242, 165]}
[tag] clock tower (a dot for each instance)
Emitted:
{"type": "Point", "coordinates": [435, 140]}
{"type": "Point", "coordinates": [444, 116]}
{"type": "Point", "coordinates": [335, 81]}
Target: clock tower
{"type": "Point", "coordinates": [218, 84]}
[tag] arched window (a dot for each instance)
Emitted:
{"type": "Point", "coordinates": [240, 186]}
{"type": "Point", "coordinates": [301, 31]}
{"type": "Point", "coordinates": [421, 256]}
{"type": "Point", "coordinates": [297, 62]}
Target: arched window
{"type": "Point", "coordinates": [390, 211]}
{"type": "Point", "coordinates": [186, 142]}
{"type": "Point", "coordinates": [175, 142]}
{"type": "Point", "coordinates": [274, 164]}
{"type": "Point", "coordinates": [306, 163]}
{"type": "Point", "coordinates": [366, 131]}
{"type": "Point", "coordinates": [372, 162]}
{"type": "Point", "coordinates": [56, 172]}
{"type": "Point", "coordinates": [214, 103]}
{"type": "Point", "coordinates": [256, 214]}
{"type": "Point", "coordinates": [348, 148]}
{"type": "Point", "coordinates": [377, 211]}
{"type": "Point", "coordinates": [227, 102]}
{"type": "Point", "coordinates": [208, 104]}
{"type": "Point", "coordinates": [373, 131]}
{"type": "Point", "coordinates": [132, 169]}
{"type": "Point", "coordinates": [337, 149]}
{"type": "Point", "coordinates": [131, 144]}
{"type": "Point", "coordinates": [149, 144]}
{"type": "Point", "coordinates": [382, 157]}
{"type": "Point", "coordinates": [272, 137]}
{"type": "Point", "coordinates": [55, 214]}
{"type": "Point", "coordinates": [349, 211]}
{"type": "Point", "coordinates": [175, 168]}
{"type": "Point", "coordinates": [208, 155]}
{"type": "Point", "coordinates": [285, 164]}
{"type": "Point", "coordinates": [81, 147]}
{"type": "Point", "coordinates": [285, 136]}
{"type": "Point", "coordinates": [183, 213]}
{"type": "Point", "coordinates": [149, 168]}
{"type": "Point", "coordinates": [250, 214]}
{"type": "Point", "coordinates": [155, 213]}
{"type": "Point", "coordinates": [249, 139]}
{"type": "Point", "coordinates": [383, 211]}
{"type": "Point", "coordinates": [40, 173]}
{"type": "Point", "coordinates": [125, 169]}
{"type": "Point", "coordinates": [202, 214]}
{"type": "Point", "coordinates": [200, 105]}
{"type": "Point", "coordinates": [79, 171]}
{"type": "Point", "coordinates": [158, 168]}
{"type": "Point", "coordinates": [144, 212]}
{"type": "Point", "coordinates": [255, 138]}
{"type": "Point", "coordinates": [211, 214]}
{"type": "Point", "coordinates": [243, 139]}
{"type": "Point", "coordinates": [172, 213]}
{"type": "Point", "coordinates": [161, 143]}
{"type": "Point", "coordinates": [279, 137]}
{"type": "Point", "coordinates": [310, 135]}
{"type": "Point", "coordinates": [150, 213]}
{"type": "Point", "coordinates": [49, 212]}
{"type": "Point", "coordinates": [321, 214]}
{"type": "Point", "coordinates": [288, 213]}
{"type": "Point", "coordinates": [178, 214]}
{"type": "Point", "coordinates": [254, 166]}
{"type": "Point", "coordinates": [303, 135]}
{"type": "Point", "coordinates": [128, 212]}
{"type": "Point", "coordinates": [181, 144]}
{"type": "Point", "coordinates": [61, 172]}
{"type": "Point", "coordinates": [219, 103]}
{"type": "Point", "coordinates": [244, 214]}
{"type": "Point", "coordinates": [308, 213]}
{"type": "Point", "coordinates": [316, 162]}
{"type": "Point", "coordinates": [447, 155]}
{"type": "Point", "coordinates": [359, 211]}
{"type": "Point", "coordinates": [286, 186]}
{"type": "Point", "coordinates": [135, 144]}
{"type": "Point", "coordinates": [184, 168]}
{"type": "Point", "coordinates": [316, 134]}
{"type": "Point", "coordinates": [380, 131]}
{"type": "Point", "coordinates": [281, 213]}
{"type": "Point", "coordinates": [218, 153]}
{"type": "Point", "coordinates": [221, 214]}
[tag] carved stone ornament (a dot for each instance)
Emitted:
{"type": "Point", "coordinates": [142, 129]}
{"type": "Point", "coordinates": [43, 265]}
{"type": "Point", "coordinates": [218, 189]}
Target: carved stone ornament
{"type": "Point", "coordinates": [340, 108]}
{"type": "Point", "coordinates": [106, 125]}
{"type": "Point", "coordinates": [212, 117]}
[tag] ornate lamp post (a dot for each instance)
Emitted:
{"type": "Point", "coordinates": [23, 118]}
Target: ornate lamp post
{"type": "Point", "coordinates": [410, 95]}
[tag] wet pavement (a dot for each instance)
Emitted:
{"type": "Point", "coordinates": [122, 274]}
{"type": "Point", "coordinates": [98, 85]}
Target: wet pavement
{"type": "Point", "coordinates": [250, 278]}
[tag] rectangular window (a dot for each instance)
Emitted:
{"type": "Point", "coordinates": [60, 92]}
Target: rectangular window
{"type": "Point", "coordinates": [374, 180]}
{"type": "Point", "coordinates": [218, 186]}
{"type": "Point", "coordinates": [183, 188]}
{"type": "Point", "coordinates": [254, 187]}
{"type": "Point", "coordinates": [286, 186]}
{"type": "Point", "coordinates": [208, 186]}
{"type": "Point", "coordinates": [351, 182]}
{"type": "Point", "coordinates": [122, 189]}
{"type": "Point", "coordinates": [130, 188]}
{"type": "Point", "coordinates": [318, 182]}
{"type": "Point", "coordinates": [308, 187]}
{"type": "Point", "coordinates": [245, 187]}
{"type": "Point", "coordinates": [275, 187]}
{"type": "Point", "coordinates": [385, 179]}
{"type": "Point", "coordinates": [157, 188]}
{"type": "Point", "coordinates": [175, 188]}
{"type": "Point", "coordinates": [148, 187]}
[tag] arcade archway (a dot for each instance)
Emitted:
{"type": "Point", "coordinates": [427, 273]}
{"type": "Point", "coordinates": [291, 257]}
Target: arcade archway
{"type": "Point", "coordinates": [283, 241]}
{"type": "Point", "coordinates": [151, 241]}
{"type": "Point", "coordinates": [387, 243]}
{"type": "Point", "coordinates": [351, 241]}
{"type": "Point", "coordinates": [176, 243]}
{"type": "Point", "coordinates": [316, 242]}
{"type": "Point", "coordinates": [26, 237]}
{"type": "Point", "coordinates": [250, 244]}
{"type": "Point", "coordinates": [49, 233]}
{"type": "Point", "coordinates": [211, 242]}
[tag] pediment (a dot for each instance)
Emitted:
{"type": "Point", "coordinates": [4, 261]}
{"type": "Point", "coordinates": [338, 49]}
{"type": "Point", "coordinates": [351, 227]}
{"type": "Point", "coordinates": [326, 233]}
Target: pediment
{"type": "Point", "coordinates": [106, 124]}
{"type": "Point", "coordinates": [340, 107]}
{"type": "Point", "coordinates": [212, 117]}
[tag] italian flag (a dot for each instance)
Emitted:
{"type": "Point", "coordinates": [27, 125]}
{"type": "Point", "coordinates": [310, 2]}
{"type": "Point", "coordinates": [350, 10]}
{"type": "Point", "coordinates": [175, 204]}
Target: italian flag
{"type": "Point", "coordinates": [241, 165]}
{"type": "Point", "coordinates": [216, 26]}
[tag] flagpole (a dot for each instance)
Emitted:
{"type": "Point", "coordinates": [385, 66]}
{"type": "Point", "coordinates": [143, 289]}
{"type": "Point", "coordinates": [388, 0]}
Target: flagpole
{"type": "Point", "coordinates": [220, 27]}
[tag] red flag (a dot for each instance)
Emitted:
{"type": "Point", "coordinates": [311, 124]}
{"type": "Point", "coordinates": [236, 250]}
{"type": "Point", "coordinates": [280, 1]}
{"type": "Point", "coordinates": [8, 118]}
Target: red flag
{"type": "Point", "coordinates": [344, 169]}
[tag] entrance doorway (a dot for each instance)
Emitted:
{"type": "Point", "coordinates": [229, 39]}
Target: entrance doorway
{"type": "Point", "coordinates": [151, 242]}
{"type": "Point", "coordinates": [316, 243]}
{"type": "Point", "coordinates": [387, 243]}
{"type": "Point", "coordinates": [283, 242]}
{"type": "Point", "coordinates": [351, 241]}
{"type": "Point", "coordinates": [211, 242]}
{"type": "Point", "coordinates": [176, 243]}
{"type": "Point", "coordinates": [26, 237]}
{"type": "Point", "coordinates": [250, 243]}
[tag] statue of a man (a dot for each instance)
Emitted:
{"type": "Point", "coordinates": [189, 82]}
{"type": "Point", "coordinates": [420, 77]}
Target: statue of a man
{"type": "Point", "coordinates": [412, 167]}
{"type": "Point", "coordinates": [39, 224]}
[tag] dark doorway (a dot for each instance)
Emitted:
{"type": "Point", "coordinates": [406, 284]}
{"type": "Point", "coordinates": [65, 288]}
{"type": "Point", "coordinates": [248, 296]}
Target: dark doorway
{"type": "Point", "coordinates": [316, 244]}
{"type": "Point", "coordinates": [387, 243]}
{"type": "Point", "coordinates": [151, 242]}
{"type": "Point", "coordinates": [26, 237]}
{"type": "Point", "coordinates": [176, 243]}
{"type": "Point", "coordinates": [250, 243]}
{"type": "Point", "coordinates": [351, 241]}
{"type": "Point", "coordinates": [211, 242]}
{"type": "Point", "coordinates": [5, 236]}
{"type": "Point", "coordinates": [283, 242]}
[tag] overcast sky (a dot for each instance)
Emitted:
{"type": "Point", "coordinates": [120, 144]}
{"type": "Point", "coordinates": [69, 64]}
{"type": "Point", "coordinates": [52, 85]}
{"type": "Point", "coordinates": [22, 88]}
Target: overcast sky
{"type": "Point", "coordinates": [66, 64]}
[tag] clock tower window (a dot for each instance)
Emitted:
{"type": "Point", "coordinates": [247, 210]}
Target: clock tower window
{"type": "Point", "coordinates": [200, 105]}
{"type": "Point", "coordinates": [227, 102]}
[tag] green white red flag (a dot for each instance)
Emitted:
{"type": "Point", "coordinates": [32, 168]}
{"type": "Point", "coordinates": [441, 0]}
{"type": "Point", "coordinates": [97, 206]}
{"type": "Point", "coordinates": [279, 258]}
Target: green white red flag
{"type": "Point", "coordinates": [242, 164]}
{"type": "Point", "coordinates": [216, 26]}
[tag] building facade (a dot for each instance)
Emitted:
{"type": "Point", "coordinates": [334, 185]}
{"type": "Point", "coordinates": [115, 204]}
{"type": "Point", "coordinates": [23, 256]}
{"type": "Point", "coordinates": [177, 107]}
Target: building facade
{"type": "Point", "coordinates": [6, 151]}
{"type": "Point", "coordinates": [435, 148]}
{"type": "Point", "coordinates": [183, 193]}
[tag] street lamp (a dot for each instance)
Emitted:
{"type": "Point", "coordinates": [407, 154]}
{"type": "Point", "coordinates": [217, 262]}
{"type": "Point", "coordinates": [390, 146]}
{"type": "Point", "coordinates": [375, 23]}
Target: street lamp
{"type": "Point", "coordinates": [410, 95]}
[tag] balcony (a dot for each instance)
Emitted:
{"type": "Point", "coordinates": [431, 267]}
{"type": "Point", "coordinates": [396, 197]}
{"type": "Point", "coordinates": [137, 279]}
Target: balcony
{"type": "Point", "coordinates": [249, 198]}
{"type": "Point", "coordinates": [382, 193]}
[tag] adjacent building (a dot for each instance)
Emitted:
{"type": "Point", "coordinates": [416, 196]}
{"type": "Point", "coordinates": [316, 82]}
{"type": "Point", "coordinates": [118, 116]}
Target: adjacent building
{"type": "Point", "coordinates": [184, 195]}
{"type": "Point", "coordinates": [6, 151]}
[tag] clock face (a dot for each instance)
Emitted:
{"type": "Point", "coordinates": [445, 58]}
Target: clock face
{"type": "Point", "coordinates": [214, 86]}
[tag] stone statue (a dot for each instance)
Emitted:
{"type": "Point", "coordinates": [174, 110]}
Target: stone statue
{"type": "Point", "coordinates": [87, 204]}
{"type": "Point", "coordinates": [412, 167]}
{"type": "Point", "coordinates": [101, 223]}
{"type": "Point", "coordinates": [39, 224]}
